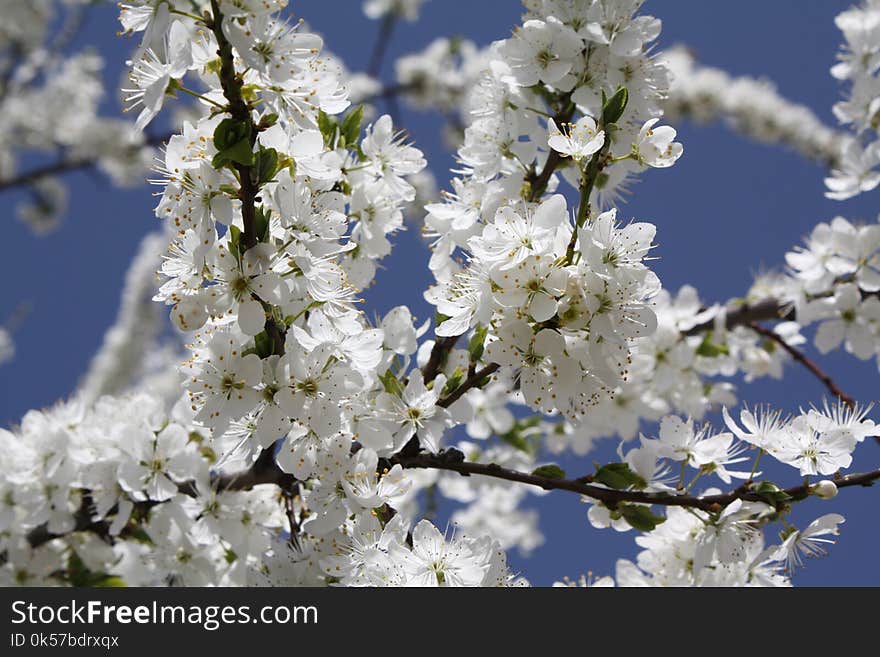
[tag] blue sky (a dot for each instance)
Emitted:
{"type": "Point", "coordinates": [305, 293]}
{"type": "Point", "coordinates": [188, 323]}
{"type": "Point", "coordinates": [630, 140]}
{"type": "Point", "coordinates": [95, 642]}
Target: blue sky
{"type": "Point", "coordinates": [728, 209]}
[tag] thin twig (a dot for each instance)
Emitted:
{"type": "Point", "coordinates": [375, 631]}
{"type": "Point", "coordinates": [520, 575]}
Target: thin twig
{"type": "Point", "coordinates": [264, 470]}
{"type": "Point", "coordinates": [66, 166]}
{"type": "Point", "coordinates": [764, 310]}
{"type": "Point", "coordinates": [453, 460]}
{"type": "Point", "coordinates": [801, 358]}
{"type": "Point", "coordinates": [472, 381]}
{"type": "Point", "coordinates": [439, 351]}
{"type": "Point", "coordinates": [381, 46]}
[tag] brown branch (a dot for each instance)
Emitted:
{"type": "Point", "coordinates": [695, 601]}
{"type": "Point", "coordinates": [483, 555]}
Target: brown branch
{"type": "Point", "coordinates": [264, 470]}
{"type": "Point", "coordinates": [472, 381]}
{"type": "Point", "coordinates": [67, 166]}
{"type": "Point", "coordinates": [538, 181]}
{"type": "Point", "coordinates": [232, 84]}
{"type": "Point", "coordinates": [801, 358]}
{"type": "Point", "coordinates": [453, 460]}
{"type": "Point", "coordinates": [439, 352]}
{"type": "Point", "coordinates": [383, 40]}
{"type": "Point", "coordinates": [765, 310]}
{"type": "Point", "coordinates": [389, 91]}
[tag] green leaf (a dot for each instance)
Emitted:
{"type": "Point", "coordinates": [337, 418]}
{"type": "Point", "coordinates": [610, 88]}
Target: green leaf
{"type": "Point", "coordinates": [229, 132]}
{"type": "Point", "coordinates": [475, 344]}
{"type": "Point", "coordinates": [613, 108]}
{"type": "Point", "coordinates": [709, 349]}
{"type": "Point", "coordinates": [520, 437]}
{"type": "Point", "coordinates": [439, 318]}
{"type": "Point", "coordinates": [232, 139]}
{"type": "Point", "coordinates": [453, 381]}
{"type": "Point", "coordinates": [235, 241]}
{"type": "Point", "coordinates": [549, 472]}
{"type": "Point", "coordinates": [110, 581]}
{"type": "Point", "coordinates": [640, 517]}
{"type": "Point", "coordinates": [263, 345]}
{"type": "Point", "coordinates": [327, 125]}
{"type": "Point", "coordinates": [261, 223]}
{"type": "Point", "coordinates": [78, 574]}
{"type": "Point", "coordinates": [619, 476]}
{"type": "Point", "coordinates": [391, 383]}
{"type": "Point", "coordinates": [351, 125]}
{"type": "Point", "coordinates": [265, 165]}
{"type": "Point", "coordinates": [241, 153]}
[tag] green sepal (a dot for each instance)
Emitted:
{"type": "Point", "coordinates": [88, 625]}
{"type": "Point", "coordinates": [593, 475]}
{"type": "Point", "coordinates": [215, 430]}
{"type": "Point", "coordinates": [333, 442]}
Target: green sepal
{"type": "Point", "coordinates": [771, 493]}
{"type": "Point", "coordinates": [453, 381]}
{"type": "Point", "coordinates": [261, 223]}
{"type": "Point", "coordinates": [263, 346]}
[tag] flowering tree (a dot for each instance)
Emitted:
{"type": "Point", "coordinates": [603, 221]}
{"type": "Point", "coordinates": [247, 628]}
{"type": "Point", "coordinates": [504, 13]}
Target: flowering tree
{"type": "Point", "coordinates": [301, 443]}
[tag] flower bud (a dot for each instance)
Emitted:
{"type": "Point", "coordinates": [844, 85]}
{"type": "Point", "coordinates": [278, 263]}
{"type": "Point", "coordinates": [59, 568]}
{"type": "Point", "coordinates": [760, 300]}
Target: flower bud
{"type": "Point", "coordinates": [824, 489]}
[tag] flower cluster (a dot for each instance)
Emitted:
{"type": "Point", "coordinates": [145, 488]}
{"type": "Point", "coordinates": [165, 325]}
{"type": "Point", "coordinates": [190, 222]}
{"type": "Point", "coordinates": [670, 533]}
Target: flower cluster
{"type": "Point", "coordinates": [122, 489]}
{"type": "Point", "coordinates": [279, 208]}
{"type": "Point", "coordinates": [556, 301]}
{"type": "Point", "coordinates": [49, 103]}
{"type": "Point", "coordinates": [439, 76]}
{"type": "Point", "coordinates": [752, 106]}
{"type": "Point", "coordinates": [690, 549]}
{"type": "Point", "coordinates": [301, 442]}
{"type": "Point", "coordinates": [833, 281]}
{"type": "Point", "coordinates": [726, 547]}
{"type": "Point", "coordinates": [859, 62]}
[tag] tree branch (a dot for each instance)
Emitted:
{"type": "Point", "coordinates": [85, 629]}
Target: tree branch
{"type": "Point", "coordinates": [231, 84]}
{"type": "Point", "coordinates": [439, 351]}
{"type": "Point", "coordinates": [264, 470]}
{"type": "Point", "coordinates": [66, 166]}
{"type": "Point", "coordinates": [383, 39]}
{"type": "Point", "coordinates": [471, 382]}
{"type": "Point", "coordinates": [806, 362]}
{"type": "Point", "coordinates": [539, 181]}
{"type": "Point", "coordinates": [453, 460]}
{"type": "Point", "coordinates": [764, 310]}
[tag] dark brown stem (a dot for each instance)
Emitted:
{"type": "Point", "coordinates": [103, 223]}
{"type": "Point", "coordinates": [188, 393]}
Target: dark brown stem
{"type": "Point", "coordinates": [765, 310]}
{"type": "Point", "coordinates": [801, 358]}
{"type": "Point", "coordinates": [471, 382]}
{"type": "Point", "coordinates": [67, 166]}
{"type": "Point", "coordinates": [264, 470]}
{"type": "Point", "coordinates": [453, 460]}
{"type": "Point", "coordinates": [439, 352]}
{"type": "Point", "coordinates": [231, 85]}
{"type": "Point", "coordinates": [383, 40]}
